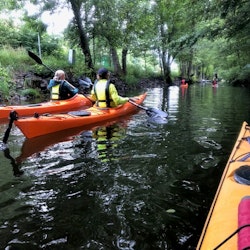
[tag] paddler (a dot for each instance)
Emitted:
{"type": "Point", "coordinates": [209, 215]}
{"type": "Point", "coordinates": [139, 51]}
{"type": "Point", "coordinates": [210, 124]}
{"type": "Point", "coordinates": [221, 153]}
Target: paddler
{"type": "Point", "coordinates": [104, 93]}
{"type": "Point", "coordinates": [61, 89]}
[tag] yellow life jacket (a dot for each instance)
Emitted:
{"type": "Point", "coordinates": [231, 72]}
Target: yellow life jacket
{"type": "Point", "coordinates": [55, 92]}
{"type": "Point", "coordinates": [101, 90]}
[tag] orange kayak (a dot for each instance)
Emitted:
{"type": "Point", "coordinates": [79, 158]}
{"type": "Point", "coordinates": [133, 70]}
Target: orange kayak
{"type": "Point", "coordinates": [46, 124]}
{"type": "Point", "coordinates": [76, 102]}
{"type": "Point", "coordinates": [229, 214]}
{"type": "Point", "coordinates": [37, 144]}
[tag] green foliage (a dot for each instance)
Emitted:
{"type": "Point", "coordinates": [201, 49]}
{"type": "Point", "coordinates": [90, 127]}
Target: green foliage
{"type": "Point", "coordinates": [245, 72]}
{"type": "Point", "coordinates": [193, 33]}
{"type": "Point", "coordinates": [231, 74]}
{"type": "Point", "coordinates": [26, 35]}
{"type": "Point", "coordinates": [236, 16]}
{"type": "Point", "coordinates": [14, 59]}
{"type": "Point", "coordinates": [31, 93]}
{"type": "Point", "coordinates": [137, 72]}
{"type": "Point", "coordinates": [8, 33]}
{"type": "Point", "coordinates": [5, 83]}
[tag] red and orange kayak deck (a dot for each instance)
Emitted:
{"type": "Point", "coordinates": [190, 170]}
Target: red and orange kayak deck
{"type": "Point", "coordinates": [76, 102]}
{"type": "Point", "coordinates": [46, 124]}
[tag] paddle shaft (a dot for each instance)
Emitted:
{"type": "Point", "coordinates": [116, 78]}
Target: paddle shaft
{"type": "Point", "coordinates": [13, 117]}
{"type": "Point", "coordinates": [137, 105]}
{"type": "Point", "coordinates": [151, 111]}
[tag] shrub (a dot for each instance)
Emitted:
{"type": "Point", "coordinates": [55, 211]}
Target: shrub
{"type": "Point", "coordinates": [5, 83]}
{"type": "Point", "coordinates": [31, 93]}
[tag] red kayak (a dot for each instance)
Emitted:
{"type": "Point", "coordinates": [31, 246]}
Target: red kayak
{"type": "Point", "coordinates": [76, 102]}
{"type": "Point", "coordinates": [46, 124]}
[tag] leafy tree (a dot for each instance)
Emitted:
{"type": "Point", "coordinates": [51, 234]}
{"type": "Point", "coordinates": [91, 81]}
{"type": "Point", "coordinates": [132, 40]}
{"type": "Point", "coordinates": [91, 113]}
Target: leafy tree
{"type": "Point", "coordinates": [234, 27]}
{"type": "Point", "coordinates": [180, 30]}
{"type": "Point", "coordinates": [9, 34]}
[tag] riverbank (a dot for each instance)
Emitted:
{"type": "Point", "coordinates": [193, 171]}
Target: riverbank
{"type": "Point", "coordinates": [32, 81]}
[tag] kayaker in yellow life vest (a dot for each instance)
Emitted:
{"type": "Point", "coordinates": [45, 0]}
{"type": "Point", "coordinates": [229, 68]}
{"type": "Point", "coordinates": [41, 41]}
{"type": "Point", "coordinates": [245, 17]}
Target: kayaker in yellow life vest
{"type": "Point", "coordinates": [61, 89]}
{"type": "Point", "coordinates": [104, 93]}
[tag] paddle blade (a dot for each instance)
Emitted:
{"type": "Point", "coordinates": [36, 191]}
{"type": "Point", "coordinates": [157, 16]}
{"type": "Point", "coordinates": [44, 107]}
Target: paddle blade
{"type": "Point", "coordinates": [151, 112]}
{"type": "Point", "coordinates": [38, 60]}
{"type": "Point", "coordinates": [35, 57]}
{"type": "Point", "coordinates": [157, 120]}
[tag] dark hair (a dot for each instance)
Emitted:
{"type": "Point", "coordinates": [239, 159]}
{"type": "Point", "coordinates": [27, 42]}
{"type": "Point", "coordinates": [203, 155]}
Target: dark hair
{"type": "Point", "coordinates": [103, 72]}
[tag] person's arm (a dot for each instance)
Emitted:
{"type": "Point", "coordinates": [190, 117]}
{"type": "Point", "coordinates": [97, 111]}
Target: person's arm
{"type": "Point", "coordinates": [51, 84]}
{"type": "Point", "coordinates": [71, 89]}
{"type": "Point", "coordinates": [118, 100]}
{"type": "Point", "coordinates": [93, 95]}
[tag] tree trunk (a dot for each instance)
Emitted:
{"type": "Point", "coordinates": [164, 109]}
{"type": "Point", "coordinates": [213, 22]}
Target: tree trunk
{"type": "Point", "coordinates": [116, 63]}
{"type": "Point", "coordinates": [166, 68]}
{"type": "Point", "coordinates": [84, 42]}
{"type": "Point", "coordinates": [124, 60]}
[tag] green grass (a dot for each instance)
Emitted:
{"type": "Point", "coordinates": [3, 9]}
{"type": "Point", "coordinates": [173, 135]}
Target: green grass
{"type": "Point", "coordinates": [16, 62]}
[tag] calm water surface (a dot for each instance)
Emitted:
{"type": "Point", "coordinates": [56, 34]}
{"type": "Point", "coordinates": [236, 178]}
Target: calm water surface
{"type": "Point", "coordinates": [130, 185]}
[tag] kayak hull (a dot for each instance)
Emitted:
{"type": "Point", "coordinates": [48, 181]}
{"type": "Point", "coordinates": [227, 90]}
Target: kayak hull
{"type": "Point", "coordinates": [46, 124]}
{"type": "Point", "coordinates": [37, 144]}
{"type": "Point", "coordinates": [223, 218]}
{"type": "Point", "coordinates": [76, 102]}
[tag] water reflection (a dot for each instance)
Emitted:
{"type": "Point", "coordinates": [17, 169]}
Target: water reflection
{"type": "Point", "coordinates": [184, 90]}
{"type": "Point", "coordinates": [90, 142]}
{"type": "Point", "coordinates": [173, 102]}
{"type": "Point", "coordinates": [148, 186]}
{"type": "Point", "coordinates": [107, 139]}
{"type": "Point", "coordinates": [15, 166]}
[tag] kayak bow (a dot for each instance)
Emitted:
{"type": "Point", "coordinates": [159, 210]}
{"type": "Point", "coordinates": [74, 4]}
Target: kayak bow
{"type": "Point", "coordinates": [228, 222]}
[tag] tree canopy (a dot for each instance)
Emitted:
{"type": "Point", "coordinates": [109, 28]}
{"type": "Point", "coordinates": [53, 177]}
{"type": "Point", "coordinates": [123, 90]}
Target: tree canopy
{"type": "Point", "coordinates": [202, 37]}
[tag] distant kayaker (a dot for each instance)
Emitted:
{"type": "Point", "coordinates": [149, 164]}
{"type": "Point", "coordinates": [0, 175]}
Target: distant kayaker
{"type": "Point", "coordinates": [61, 89]}
{"type": "Point", "coordinates": [183, 81]}
{"type": "Point", "coordinates": [214, 82]}
{"type": "Point", "coordinates": [104, 93]}
{"type": "Point", "coordinates": [215, 79]}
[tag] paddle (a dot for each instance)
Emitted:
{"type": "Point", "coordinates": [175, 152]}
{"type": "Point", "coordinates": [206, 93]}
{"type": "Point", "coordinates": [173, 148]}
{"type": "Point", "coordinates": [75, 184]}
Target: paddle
{"type": "Point", "coordinates": [151, 112]}
{"type": "Point", "coordinates": [13, 117]}
{"type": "Point", "coordinates": [38, 60]}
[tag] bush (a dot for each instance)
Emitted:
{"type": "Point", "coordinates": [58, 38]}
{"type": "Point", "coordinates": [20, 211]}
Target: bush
{"type": "Point", "coordinates": [14, 59]}
{"type": "Point", "coordinates": [5, 83]}
{"type": "Point", "coordinates": [245, 73]}
{"type": "Point", "coordinates": [31, 93]}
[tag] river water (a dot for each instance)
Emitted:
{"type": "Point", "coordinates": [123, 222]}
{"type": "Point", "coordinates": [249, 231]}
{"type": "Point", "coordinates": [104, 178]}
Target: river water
{"type": "Point", "coordinates": [135, 184]}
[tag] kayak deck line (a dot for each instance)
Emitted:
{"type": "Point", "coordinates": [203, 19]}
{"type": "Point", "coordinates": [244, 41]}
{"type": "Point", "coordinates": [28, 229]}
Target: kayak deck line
{"type": "Point", "coordinates": [223, 219]}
